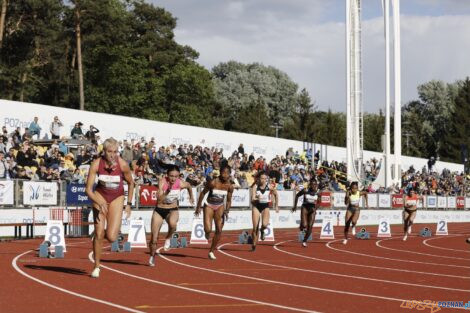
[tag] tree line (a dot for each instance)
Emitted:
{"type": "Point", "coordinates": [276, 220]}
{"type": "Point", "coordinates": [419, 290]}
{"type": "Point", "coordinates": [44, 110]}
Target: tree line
{"type": "Point", "coordinates": [121, 57]}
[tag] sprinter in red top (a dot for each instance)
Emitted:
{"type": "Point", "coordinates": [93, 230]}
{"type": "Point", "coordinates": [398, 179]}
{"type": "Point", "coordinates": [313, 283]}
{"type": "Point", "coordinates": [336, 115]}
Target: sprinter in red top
{"type": "Point", "coordinates": [409, 213]}
{"type": "Point", "coordinates": [110, 171]}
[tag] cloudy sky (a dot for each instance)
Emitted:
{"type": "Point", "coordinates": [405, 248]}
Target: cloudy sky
{"type": "Point", "coordinates": [306, 39]}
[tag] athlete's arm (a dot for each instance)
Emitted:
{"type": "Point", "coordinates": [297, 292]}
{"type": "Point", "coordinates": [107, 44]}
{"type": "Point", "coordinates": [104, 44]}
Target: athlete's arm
{"type": "Point", "coordinates": [228, 205]}
{"type": "Point", "coordinates": [102, 205]}
{"type": "Point", "coordinates": [187, 186]}
{"type": "Point", "coordinates": [206, 189]}
{"type": "Point", "coordinates": [276, 199]}
{"type": "Point", "coordinates": [366, 199]}
{"type": "Point", "coordinates": [297, 196]}
{"type": "Point", "coordinates": [130, 185]}
{"type": "Point", "coordinates": [253, 193]}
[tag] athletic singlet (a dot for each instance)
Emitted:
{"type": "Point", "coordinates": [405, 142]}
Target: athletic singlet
{"type": "Point", "coordinates": [174, 194]}
{"type": "Point", "coordinates": [411, 201]}
{"type": "Point", "coordinates": [110, 181]}
{"type": "Point", "coordinates": [263, 195]}
{"type": "Point", "coordinates": [354, 199]}
{"type": "Point", "coordinates": [310, 197]}
{"type": "Point", "coordinates": [216, 196]}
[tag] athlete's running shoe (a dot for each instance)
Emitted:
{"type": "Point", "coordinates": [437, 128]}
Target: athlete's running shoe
{"type": "Point", "coordinates": [353, 231]}
{"type": "Point", "coordinates": [166, 247]}
{"type": "Point", "coordinates": [212, 256]}
{"type": "Point", "coordinates": [409, 229]}
{"type": "Point", "coordinates": [262, 234]}
{"type": "Point", "coordinates": [405, 237]}
{"type": "Point", "coordinates": [253, 248]}
{"type": "Point", "coordinates": [345, 241]}
{"type": "Point", "coordinates": [96, 272]}
{"type": "Point", "coordinates": [304, 244]}
{"type": "Point", "coordinates": [152, 261]}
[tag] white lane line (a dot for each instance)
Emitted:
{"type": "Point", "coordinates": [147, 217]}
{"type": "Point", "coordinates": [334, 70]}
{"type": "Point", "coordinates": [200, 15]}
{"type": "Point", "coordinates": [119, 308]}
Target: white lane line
{"type": "Point", "coordinates": [18, 269]}
{"type": "Point", "coordinates": [158, 282]}
{"type": "Point", "coordinates": [286, 284]}
{"type": "Point", "coordinates": [337, 274]}
{"type": "Point", "coordinates": [390, 259]}
{"type": "Point", "coordinates": [362, 265]}
{"type": "Point", "coordinates": [377, 243]}
{"type": "Point", "coordinates": [425, 242]}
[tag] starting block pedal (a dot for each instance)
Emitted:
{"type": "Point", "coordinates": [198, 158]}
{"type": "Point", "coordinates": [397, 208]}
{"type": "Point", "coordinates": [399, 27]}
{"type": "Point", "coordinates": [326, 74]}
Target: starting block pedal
{"type": "Point", "coordinates": [177, 242]}
{"type": "Point", "coordinates": [245, 238]}
{"type": "Point", "coordinates": [302, 236]}
{"type": "Point", "coordinates": [59, 252]}
{"type": "Point", "coordinates": [116, 246]}
{"type": "Point", "coordinates": [425, 232]}
{"type": "Point", "coordinates": [44, 249]}
{"type": "Point", "coordinates": [126, 247]}
{"type": "Point", "coordinates": [363, 234]}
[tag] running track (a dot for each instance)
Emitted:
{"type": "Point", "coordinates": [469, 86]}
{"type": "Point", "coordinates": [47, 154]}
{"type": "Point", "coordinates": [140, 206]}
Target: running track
{"type": "Point", "coordinates": [364, 276]}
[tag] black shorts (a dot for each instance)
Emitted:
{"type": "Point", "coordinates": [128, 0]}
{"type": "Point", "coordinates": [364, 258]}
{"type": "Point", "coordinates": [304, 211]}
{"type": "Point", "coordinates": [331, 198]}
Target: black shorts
{"type": "Point", "coordinates": [261, 206]}
{"type": "Point", "coordinates": [353, 209]}
{"type": "Point", "coordinates": [310, 207]}
{"type": "Point", "coordinates": [410, 211]}
{"type": "Point", "coordinates": [164, 212]}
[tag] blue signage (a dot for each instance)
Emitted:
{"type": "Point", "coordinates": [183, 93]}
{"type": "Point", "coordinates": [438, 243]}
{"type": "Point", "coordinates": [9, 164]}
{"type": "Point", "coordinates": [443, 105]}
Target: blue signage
{"type": "Point", "coordinates": [76, 195]}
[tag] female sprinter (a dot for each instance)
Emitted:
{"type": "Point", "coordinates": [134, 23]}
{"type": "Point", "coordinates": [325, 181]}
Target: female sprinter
{"type": "Point", "coordinates": [409, 213]}
{"type": "Point", "coordinates": [108, 197]}
{"type": "Point", "coordinates": [217, 205]}
{"type": "Point", "coordinates": [169, 189]}
{"type": "Point", "coordinates": [261, 194]}
{"type": "Point", "coordinates": [353, 197]}
{"type": "Point", "coordinates": [308, 211]}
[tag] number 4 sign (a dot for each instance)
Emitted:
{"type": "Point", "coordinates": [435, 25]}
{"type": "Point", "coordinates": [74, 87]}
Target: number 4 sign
{"type": "Point", "coordinates": [137, 234]}
{"type": "Point", "coordinates": [442, 228]}
{"type": "Point", "coordinates": [327, 231]}
{"type": "Point", "coordinates": [384, 228]}
{"type": "Point", "coordinates": [55, 234]}
{"type": "Point", "coordinates": [197, 232]}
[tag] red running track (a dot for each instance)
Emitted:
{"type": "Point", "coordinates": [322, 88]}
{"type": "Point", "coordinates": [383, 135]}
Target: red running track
{"type": "Point", "coordinates": [374, 275]}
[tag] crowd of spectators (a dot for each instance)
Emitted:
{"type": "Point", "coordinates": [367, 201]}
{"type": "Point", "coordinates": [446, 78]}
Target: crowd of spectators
{"type": "Point", "coordinates": [24, 157]}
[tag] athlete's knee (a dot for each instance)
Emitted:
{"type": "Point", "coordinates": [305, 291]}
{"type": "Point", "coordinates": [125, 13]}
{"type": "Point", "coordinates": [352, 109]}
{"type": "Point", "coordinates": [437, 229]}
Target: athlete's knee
{"type": "Point", "coordinates": [218, 231]}
{"type": "Point", "coordinates": [111, 236]}
{"type": "Point", "coordinates": [171, 228]}
{"type": "Point", "coordinates": [99, 234]}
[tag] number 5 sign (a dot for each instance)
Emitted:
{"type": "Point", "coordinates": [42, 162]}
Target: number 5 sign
{"type": "Point", "coordinates": [55, 234]}
{"type": "Point", "coordinates": [137, 234]}
{"type": "Point", "coordinates": [197, 232]}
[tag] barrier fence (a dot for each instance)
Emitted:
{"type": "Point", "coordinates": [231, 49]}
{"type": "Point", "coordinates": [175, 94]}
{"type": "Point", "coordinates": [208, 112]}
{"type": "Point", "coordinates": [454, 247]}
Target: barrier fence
{"type": "Point", "coordinates": [27, 194]}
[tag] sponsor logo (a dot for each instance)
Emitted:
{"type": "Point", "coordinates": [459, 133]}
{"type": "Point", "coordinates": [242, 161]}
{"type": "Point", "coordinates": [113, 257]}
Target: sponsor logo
{"type": "Point", "coordinates": [15, 122]}
{"type": "Point", "coordinates": [34, 192]}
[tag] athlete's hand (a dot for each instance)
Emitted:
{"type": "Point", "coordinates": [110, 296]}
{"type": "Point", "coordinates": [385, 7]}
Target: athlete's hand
{"type": "Point", "coordinates": [128, 211]}
{"type": "Point", "coordinates": [191, 201]}
{"type": "Point", "coordinates": [277, 209]}
{"type": "Point", "coordinates": [197, 212]}
{"type": "Point", "coordinates": [294, 209]}
{"type": "Point", "coordinates": [103, 207]}
{"type": "Point", "coordinates": [225, 215]}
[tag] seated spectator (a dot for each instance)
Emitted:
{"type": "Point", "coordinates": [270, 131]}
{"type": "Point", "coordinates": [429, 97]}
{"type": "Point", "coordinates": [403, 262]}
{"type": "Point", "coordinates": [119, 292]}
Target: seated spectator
{"type": "Point", "coordinates": [77, 132]}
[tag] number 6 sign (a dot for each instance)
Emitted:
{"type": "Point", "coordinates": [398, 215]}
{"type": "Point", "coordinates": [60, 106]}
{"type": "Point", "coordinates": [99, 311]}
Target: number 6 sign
{"type": "Point", "coordinates": [197, 232]}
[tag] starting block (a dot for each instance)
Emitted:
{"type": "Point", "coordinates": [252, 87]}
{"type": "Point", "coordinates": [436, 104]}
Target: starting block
{"type": "Point", "coordinates": [245, 238]}
{"type": "Point", "coordinates": [363, 234]}
{"type": "Point", "coordinates": [425, 232]}
{"type": "Point", "coordinates": [44, 251]}
{"type": "Point", "coordinates": [302, 236]}
{"type": "Point", "coordinates": [119, 246]}
{"type": "Point", "coordinates": [176, 242]}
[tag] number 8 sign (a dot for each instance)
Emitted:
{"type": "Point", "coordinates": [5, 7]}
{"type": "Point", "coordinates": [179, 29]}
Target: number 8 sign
{"type": "Point", "coordinates": [197, 232]}
{"type": "Point", "coordinates": [55, 234]}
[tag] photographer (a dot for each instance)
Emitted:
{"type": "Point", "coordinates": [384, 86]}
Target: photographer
{"type": "Point", "coordinates": [77, 132]}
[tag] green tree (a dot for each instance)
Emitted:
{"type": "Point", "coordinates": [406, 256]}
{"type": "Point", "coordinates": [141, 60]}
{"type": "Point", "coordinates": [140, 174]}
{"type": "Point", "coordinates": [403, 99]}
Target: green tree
{"type": "Point", "coordinates": [300, 126]}
{"type": "Point", "coordinates": [238, 86]}
{"type": "Point", "coordinates": [457, 140]}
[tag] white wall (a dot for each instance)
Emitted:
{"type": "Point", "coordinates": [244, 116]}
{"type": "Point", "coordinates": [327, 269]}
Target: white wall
{"type": "Point", "coordinates": [240, 219]}
{"type": "Point", "coordinates": [14, 114]}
